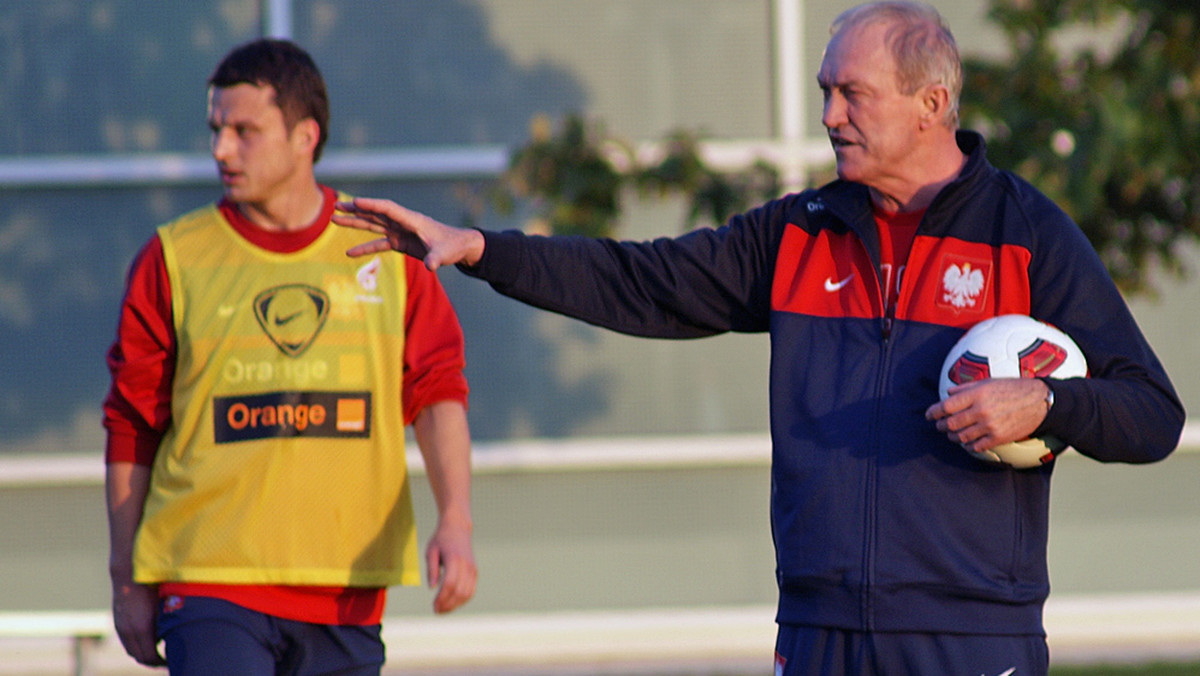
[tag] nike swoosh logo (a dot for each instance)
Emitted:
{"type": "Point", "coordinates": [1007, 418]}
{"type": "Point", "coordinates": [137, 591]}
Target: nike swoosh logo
{"type": "Point", "coordinates": [832, 286]}
{"type": "Point", "coordinates": [1008, 672]}
{"type": "Point", "coordinates": [280, 321]}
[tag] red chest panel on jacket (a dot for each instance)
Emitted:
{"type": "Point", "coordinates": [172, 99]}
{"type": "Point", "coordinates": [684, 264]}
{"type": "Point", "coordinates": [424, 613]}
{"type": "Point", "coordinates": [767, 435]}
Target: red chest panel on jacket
{"type": "Point", "coordinates": [826, 275]}
{"type": "Point", "coordinates": [947, 281]}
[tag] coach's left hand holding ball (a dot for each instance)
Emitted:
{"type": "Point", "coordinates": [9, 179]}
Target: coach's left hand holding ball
{"type": "Point", "coordinates": [987, 413]}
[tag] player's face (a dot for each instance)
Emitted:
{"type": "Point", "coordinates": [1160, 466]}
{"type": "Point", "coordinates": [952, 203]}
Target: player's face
{"type": "Point", "coordinates": [257, 156]}
{"type": "Point", "coordinates": [872, 125]}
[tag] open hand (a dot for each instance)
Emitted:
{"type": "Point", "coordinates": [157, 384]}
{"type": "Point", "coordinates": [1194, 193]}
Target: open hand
{"type": "Point", "coordinates": [409, 232]}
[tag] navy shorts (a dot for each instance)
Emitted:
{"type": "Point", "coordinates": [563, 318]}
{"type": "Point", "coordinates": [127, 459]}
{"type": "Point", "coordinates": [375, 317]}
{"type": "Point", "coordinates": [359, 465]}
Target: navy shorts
{"type": "Point", "coordinates": [205, 636]}
{"type": "Point", "coordinates": [816, 651]}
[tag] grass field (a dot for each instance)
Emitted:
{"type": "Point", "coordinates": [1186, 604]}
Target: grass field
{"type": "Point", "coordinates": [1129, 670]}
{"type": "Point", "coordinates": [1147, 669]}
{"type": "Point", "coordinates": [1150, 669]}
{"type": "Point", "coordinates": [1155, 669]}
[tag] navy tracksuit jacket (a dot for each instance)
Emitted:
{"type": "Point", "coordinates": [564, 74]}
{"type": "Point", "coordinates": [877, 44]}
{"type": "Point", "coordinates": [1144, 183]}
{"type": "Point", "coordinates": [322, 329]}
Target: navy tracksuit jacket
{"type": "Point", "coordinates": [880, 523]}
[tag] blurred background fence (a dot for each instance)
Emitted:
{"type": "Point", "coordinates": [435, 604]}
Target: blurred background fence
{"type": "Point", "coordinates": [646, 550]}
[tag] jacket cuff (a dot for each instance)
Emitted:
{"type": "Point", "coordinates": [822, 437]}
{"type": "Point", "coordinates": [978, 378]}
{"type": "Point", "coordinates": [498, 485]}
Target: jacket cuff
{"type": "Point", "coordinates": [501, 260]}
{"type": "Point", "coordinates": [1059, 416]}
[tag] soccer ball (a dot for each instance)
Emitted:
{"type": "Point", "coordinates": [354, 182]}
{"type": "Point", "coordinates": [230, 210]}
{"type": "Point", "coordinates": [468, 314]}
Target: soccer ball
{"type": "Point", "coordinates": [1014, 346]}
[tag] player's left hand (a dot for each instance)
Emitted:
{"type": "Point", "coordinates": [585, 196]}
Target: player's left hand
{"type": "Point", "coordinates": [987, 413]}
{"type": "Point", "coordinates": [450, 561]}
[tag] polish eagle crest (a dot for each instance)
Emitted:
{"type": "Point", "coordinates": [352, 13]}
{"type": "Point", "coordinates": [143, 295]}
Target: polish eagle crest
{"type": "Point", "coordinates": [961, 285]}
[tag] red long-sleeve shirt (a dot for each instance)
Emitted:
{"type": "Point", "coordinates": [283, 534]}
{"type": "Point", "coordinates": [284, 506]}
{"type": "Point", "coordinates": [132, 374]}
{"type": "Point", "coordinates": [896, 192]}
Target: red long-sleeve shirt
{"type": "Point", "coordinates": [137, 410]}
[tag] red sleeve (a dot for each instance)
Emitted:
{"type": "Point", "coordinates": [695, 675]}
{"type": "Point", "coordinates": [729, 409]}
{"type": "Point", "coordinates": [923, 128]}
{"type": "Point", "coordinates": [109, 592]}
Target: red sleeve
{"type": "Point", "coordinates": [141, 361]}
{"type": "Point", "coordinates": [433, 344]}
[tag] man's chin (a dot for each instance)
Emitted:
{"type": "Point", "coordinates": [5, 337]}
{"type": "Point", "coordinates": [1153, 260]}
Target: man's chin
{"type": "Point", "coordinates": [847, 172]}
{"type": "Point", "coordinates": [234, 194]}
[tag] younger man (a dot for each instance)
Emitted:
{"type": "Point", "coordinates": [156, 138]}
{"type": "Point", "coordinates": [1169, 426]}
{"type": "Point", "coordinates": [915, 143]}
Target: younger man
{"type": "Point", "coordinates": [257, 493]}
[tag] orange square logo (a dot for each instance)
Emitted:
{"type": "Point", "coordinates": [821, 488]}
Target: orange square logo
{"type": "Point", "coordinates": [351, 415]}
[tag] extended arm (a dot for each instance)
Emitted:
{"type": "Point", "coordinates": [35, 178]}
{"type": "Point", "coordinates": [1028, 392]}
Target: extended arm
{"type": "Point", "coordinates": [702, 283]}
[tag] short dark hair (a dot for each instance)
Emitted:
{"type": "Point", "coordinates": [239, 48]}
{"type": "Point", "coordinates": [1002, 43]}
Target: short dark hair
{"type": "Point", "coordinates": [290, 71]}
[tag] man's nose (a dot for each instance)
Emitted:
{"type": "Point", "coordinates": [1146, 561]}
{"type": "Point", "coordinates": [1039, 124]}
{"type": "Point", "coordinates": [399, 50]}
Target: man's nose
{"type": "Point", "coordinates": [833, 114]}
{"type": "Point", "coordinates": [221, 144]}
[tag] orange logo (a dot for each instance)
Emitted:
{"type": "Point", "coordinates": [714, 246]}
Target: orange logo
{"type": "Point", "coordinates": [309, 413]}
{"type": "Point", "coordinates": [351, 415]}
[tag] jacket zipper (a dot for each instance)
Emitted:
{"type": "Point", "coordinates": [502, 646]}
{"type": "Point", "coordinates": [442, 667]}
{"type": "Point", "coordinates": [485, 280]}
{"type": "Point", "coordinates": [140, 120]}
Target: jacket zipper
{"type": "Point", "coordinates": [887, 323]}
{"type": "Point", "coordinates": [871, 498]}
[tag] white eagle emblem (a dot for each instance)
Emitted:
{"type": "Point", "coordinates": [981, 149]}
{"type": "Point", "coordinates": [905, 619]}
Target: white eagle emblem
{"type": "Point", "coordinates": [961, 286]}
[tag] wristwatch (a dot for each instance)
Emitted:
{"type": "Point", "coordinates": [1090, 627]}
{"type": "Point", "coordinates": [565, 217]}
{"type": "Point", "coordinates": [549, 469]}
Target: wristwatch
{"type": "Point", "coordinates": [1049, 398]}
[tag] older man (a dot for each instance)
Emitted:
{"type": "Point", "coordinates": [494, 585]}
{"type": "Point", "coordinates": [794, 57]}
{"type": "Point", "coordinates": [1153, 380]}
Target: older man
{"type": "Point", "coordinates": [897, 552]}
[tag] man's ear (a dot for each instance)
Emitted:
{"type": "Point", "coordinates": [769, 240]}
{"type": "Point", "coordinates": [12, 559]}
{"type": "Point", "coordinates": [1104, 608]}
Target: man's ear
{"type": "Point", "coordinates": [306, 134]}
{"type": "Point", "coordinates": [935, 104]}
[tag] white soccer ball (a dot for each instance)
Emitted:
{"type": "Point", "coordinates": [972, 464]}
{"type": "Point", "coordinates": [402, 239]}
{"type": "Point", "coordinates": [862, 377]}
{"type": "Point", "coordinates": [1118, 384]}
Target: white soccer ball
{"type": "Point", "coordinates": [1014, 346]}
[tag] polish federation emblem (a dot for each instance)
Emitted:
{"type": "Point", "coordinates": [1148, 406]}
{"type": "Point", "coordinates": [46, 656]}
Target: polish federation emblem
{"type": "Point", "coordinates": [292, 315]}
{"type": "Point", "coordinates": [963, 285]}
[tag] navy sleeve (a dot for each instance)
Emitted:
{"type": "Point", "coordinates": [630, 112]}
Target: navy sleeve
{"type": "Point", "coordinates": [706, 282]}
{"type": "Point", "coordinates": [1126, 410]}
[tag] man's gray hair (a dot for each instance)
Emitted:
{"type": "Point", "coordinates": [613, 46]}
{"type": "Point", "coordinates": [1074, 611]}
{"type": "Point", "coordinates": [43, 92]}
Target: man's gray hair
{"type": "Point", "coordinates": [921, 42]}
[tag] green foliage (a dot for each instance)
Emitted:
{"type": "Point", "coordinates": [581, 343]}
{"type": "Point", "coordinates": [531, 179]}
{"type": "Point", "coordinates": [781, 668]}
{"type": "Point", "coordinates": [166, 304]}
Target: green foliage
{"type": "Point", "coordinates": [1099, 107]}
{"type": "Point", "coordinates": [574, 178]}
{"type": "Point", "coordinates": [569, 178]}
{"type": "Point", "coordinates": [713, 195]}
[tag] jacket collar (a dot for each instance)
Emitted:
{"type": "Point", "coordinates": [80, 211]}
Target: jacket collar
{"type": "Point", "coordinates": [851, 202]}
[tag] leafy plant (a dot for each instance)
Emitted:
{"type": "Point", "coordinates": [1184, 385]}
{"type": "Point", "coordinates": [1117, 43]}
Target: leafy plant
{"type": "Point", "coordinates": [1099, 107]}
{"type": "Point", "coordinates": [1097, 104]}
{"type": "Point", "coordinates": [574, 179]}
